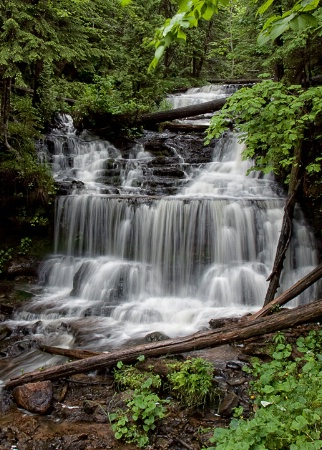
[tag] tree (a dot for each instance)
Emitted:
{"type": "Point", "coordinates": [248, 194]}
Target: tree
{"type": "Point", "coordinates": [35, 35]}
{"type": "Point", "coordinates": [304, 14]}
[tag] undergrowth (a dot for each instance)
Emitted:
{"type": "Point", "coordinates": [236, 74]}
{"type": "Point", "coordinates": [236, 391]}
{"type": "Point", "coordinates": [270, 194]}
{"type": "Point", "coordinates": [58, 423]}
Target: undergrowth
{"type": "Point", "coordinates": [190, 382]}
{"type": "Point", "coordinates": [287, 395]}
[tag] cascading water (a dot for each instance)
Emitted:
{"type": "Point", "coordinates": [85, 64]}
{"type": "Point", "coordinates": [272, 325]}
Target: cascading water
{"type": "Point", "coordinates": [126, 264]}
{"type": "Point", "coordinates": [195, 96]}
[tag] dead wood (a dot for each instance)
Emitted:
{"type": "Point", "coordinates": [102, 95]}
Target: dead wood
{"type": "Point", "coordinates": [286, 231]}
{"type": "Point", "coordinates": [72, 353]}
{"type": "Point", "coordinates": [244, 330]}
{"type": "Point", "coordinates": [181, 113]}
{"type": "Point", "coordinates": [291, 293]}
{"type": "Point", "coordinates": [235, 80]}
{"type": "Point", "coordinates": [177, 126]}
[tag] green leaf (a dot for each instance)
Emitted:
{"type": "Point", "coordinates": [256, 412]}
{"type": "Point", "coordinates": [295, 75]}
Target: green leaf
{"type": "Point", "coordinates": [303, 21]}
{"type": "Point", "coordinates": [185, 5]}
{"type": "Point", "coordinates": [264, 7]}
{"type": "Point", "coordinates": [207, 15]}
{"type": "Point", "coordinates": [181, 34]}
{"type": "Point", "coordinates": [280, 28]}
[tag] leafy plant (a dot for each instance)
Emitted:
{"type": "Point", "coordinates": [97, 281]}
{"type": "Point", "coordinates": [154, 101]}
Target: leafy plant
{"type": "Point", "coordinates": [25, 246]}
{"type": "Point", "coordinates": [288, 401]}
{"type": "Point", "coordinates": [191, 381]}
{"type": "Point", "coordinates": [5, 256]}
{"type": "Point", "coordinates": [127, 376]}
{"type": "Point", "coordinates": [143, 411]}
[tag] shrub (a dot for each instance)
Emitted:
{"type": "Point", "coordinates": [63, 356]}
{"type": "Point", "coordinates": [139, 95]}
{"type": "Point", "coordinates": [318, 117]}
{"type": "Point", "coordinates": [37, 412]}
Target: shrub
{"type": "Point", "coordinates": [288, 401]}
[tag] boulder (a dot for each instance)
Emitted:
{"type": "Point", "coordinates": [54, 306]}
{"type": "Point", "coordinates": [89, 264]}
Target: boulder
{"type": "Point", "coordinates": [34, 397]}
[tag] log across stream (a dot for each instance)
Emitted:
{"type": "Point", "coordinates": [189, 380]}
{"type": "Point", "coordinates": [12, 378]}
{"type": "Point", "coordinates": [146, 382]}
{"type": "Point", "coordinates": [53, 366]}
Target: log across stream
{"type": "Point", "coordinates": [243, 330]}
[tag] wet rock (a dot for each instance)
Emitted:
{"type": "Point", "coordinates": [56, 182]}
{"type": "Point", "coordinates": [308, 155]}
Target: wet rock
{"type": "Point", "coordinates": [67, 187]}
{"type": "Point", "coordinates": [100, 415]}
{"type": "Point", "coordinates": [4, 332]}
{"type": "Point", "coordinates": [228, 404]}
{"type": "Point", "coordinates": [237, 381]}
{"type": "Point", "coordinates": [15, 347]}
{"type": "Point", "coordinates": [60, 392]}
{"type": "Point", "coordinates": [156, 336]}
{"type": "Point", "coordinates": [23, 267]}
{"type": "Point", "coordinates": [233, 365]}
{"type": "Point", "coordinates": [34, 397]}
{"type": "Point", "coordinates": [6, 310]}
{"type": "Point", "coordinates": [5, 402]}
{"type": "Point", "coordinates": [220, 323]}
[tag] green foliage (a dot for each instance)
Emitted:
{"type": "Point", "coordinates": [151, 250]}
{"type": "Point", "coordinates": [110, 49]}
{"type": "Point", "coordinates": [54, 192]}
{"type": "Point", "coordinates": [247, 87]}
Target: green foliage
{"type": "Point", "coordinates": [191, 381]}
{"type": "Point", "coordinates": [103, 97]}
{"type": "Point", "coordinates": [8, 254]}
{"type": "Point", "coordinates": [304, 15]}
{"type": "Point", "coordinates": [5, 257]}
{"type": "Point", "coordinates": [25, 124]}
{"type": "Point", "coordinates": [38, 220]}
{"type": "Point", "coordinates": [288, 399]}
{"type": "Point", "coordinates": [144, 409]}
{"type": "Point", "coordinates": [130, 377]}
{"type": "Point", "coordinates": [25, 246]}
{"type": "Point", "coordinates": [272, 120]}
{"type": "Point", "coordinates": [189, 14]}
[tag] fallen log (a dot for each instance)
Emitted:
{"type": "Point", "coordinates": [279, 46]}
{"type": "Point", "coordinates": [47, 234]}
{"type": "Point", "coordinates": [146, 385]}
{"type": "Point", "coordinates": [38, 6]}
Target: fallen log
{"type": "Point", "coordinates": [243, 330]}
{"type": "Point", "coordinates": [176, 126]}
{"type": "Point", "coordinates": [291, 293]}
{"type": "Point", "coordinates": [235, 80]}
{"type": "Point", "coordinates": [181, 113]}
{"type": "Point", "coordinates": [72, 353]}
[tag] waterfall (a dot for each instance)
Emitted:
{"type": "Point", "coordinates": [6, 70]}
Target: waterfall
{"type": "Point", "coordinates": [195, 96]}
{"type": "Point", "coordinates": [126, 263]}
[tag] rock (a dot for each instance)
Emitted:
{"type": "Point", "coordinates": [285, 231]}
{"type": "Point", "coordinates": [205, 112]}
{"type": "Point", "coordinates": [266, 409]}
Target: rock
{"type": "Point", "coordinates": [34, 397]}
{"type": "Point", "coordinates": [4, 332]}
{"type": "Point", "coordinates": [220, 323]}
{"type": "Point", "coordinates": [233, 365]}
{"type": "Point", "coordinates": [237, 381]}
{"type": "Point", "coordinates": [5, 402]}
{"type": "Point", "coordinates": [6, 310]}
{"type": "Point", "coordinates": [23, 266]}
{"type": "Point", "coordinates": [156, 336]}
{"type": "Point", "coordinates": [228, 404]}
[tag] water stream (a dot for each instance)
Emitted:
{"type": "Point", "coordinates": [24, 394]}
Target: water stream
{"type": "Point", "coordinates": [127, 263]}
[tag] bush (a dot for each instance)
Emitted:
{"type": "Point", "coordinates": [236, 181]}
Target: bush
{"type": "Point", "coordinates": [287, 401]}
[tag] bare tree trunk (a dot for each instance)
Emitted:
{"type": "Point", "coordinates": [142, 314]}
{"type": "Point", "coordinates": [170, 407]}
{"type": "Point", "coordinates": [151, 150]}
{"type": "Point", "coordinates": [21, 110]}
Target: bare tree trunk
{"type": "Point", "coordinates": [286, 231]}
